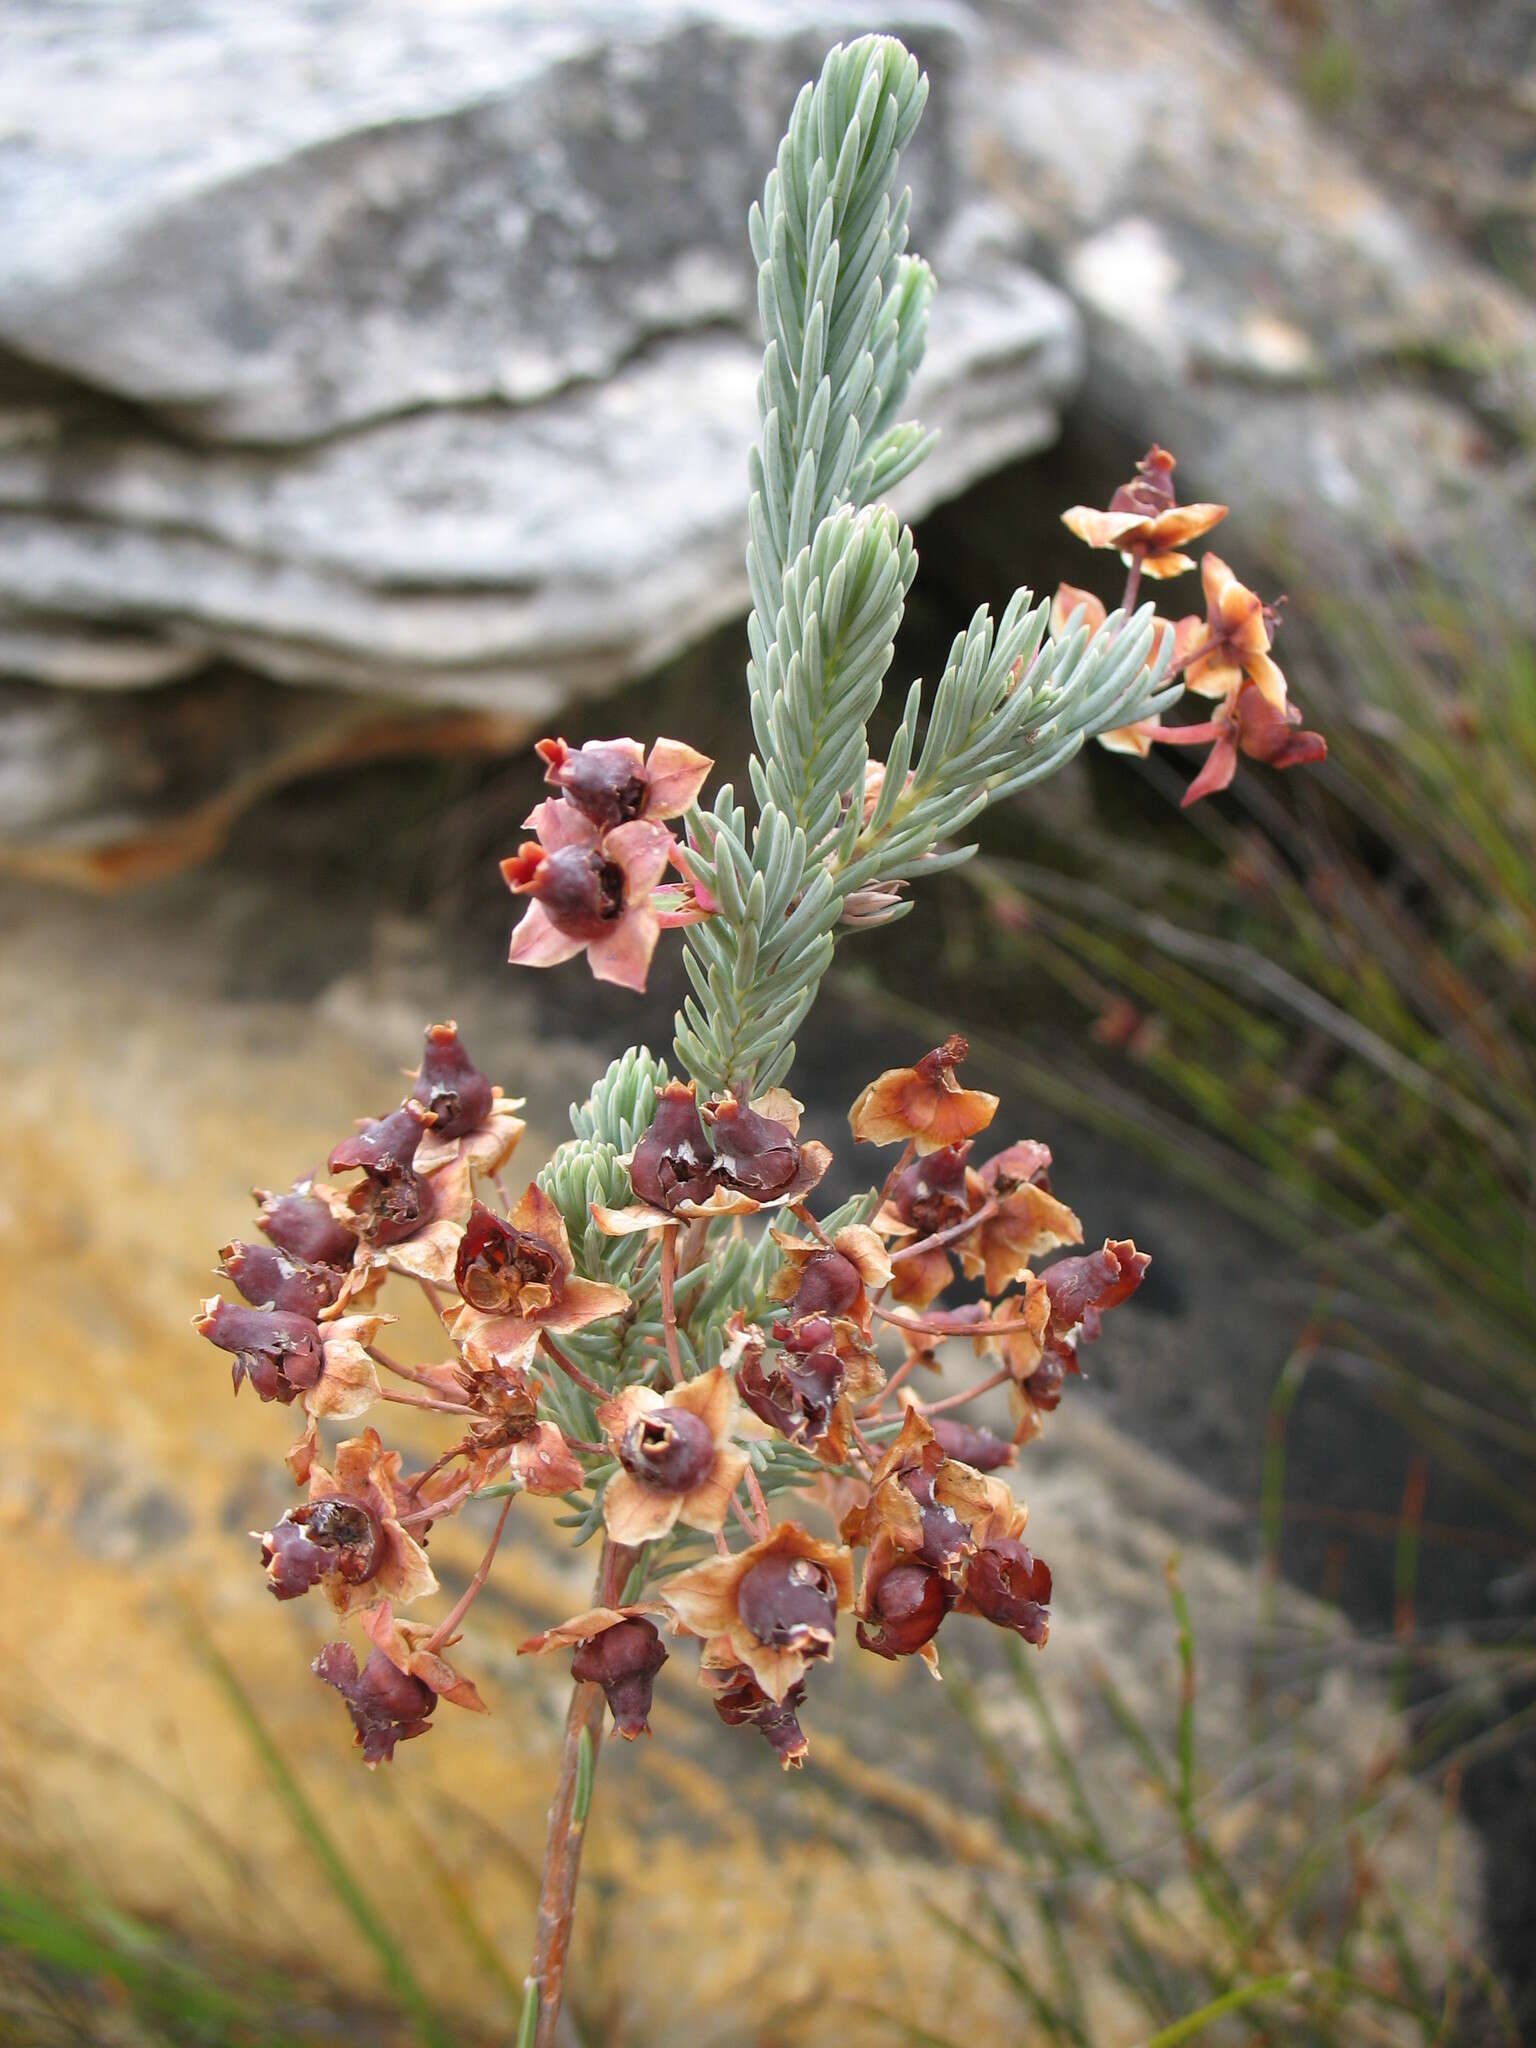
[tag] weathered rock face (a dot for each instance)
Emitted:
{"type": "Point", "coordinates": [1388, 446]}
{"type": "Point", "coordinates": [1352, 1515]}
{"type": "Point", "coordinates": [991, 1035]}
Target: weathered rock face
{"type": "Point", "coordinates": [438, 352]}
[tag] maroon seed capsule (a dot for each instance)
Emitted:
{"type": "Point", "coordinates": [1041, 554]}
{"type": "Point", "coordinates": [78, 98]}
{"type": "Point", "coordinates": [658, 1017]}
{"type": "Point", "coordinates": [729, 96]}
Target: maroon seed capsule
{"type": "Point", "coordinates": [581, 890]}
{"type": "Point", "coordinates": [385, 1145]}
{"type": "Point", "coordinates": [930, 1193]}
{"type": "Point", "coordinates": [829, 1285]}
{"type": "Point", "coordinates": [755, 1155]}
{"type": "Point", "coordinates": [304, 1227]}
{"type": "Point", "coordinates": [789, 1601]}
{"type": "Point", "coordinates": [392, 1206]}
{"type": "Point", "coordinates": [908, 1605]}
{"type": "Point", "coordinates": [293, 1564]}
{"type": "Point", "coordinates": [978, 1448]}
{"type": "Point", "coordinates": [674, 1162]}
{"type": "Point", "coordinates": [945, 1536]}
{"type": "Point", "coordinates": [450, 1084]}
{"type": "Point", "coordinates": [277, 1351]}
{"type": "Point", "coordinates": [606, 784]}
{"type": "Point", "coordinates": [670, 1449]}
{"type": "Point", "coordinates": [624, 1661]}
{"type": "Point", "coordinates": [386, 1705]}
{"type": "Point", "coordinates": [268, 1278]}
{"type": "Point", "coordinates": [793, 1395]}
{"type": "Point", "coordinates": [348, 1529]}
{"type": "Point", "coordinates": [1011, 1586]}
{"type": "Point", "coordinates": [1095, 1281]}
{"type": "Point", "coordinates": [495, 1263]}
{"type": "Point", "coordinates": [741, 1702]}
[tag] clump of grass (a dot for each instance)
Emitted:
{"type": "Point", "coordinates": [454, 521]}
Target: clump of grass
{"type": "Point", "coordinates": [1307, 1946]}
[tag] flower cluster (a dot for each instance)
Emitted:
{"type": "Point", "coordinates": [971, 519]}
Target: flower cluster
{"type": "Point", "coordinates": [600, 850]}
{"type": "Point", "coordinates": [1224, 655]}
{"type": "Point", "coordinates": [799, 1381]}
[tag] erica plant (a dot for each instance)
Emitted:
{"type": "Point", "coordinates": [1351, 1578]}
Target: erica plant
{"type": "Point", "coordinates": [722, 1384]}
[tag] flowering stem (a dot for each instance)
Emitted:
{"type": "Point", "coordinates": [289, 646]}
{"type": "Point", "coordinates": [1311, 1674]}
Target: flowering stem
{"type": "Point", "coordinates": [966, 1394]}
{"type": "Point", "coordinates": [920, 1328]}
{"type": "Point", "coordinates": [567, 1826]}
{"type": "Point", "coordinates": [668, 1304]}
{"type": "Point", "coordinates": [418, 1373]}
{"type": "Point", "coordinates": [799, 1209]}
{"type": "Point", "coordinates": [465, 1601]}
{"type": "Point", "coordinates": [759, 1505]}
{"type": "Point", "coordinates": [940, 1238]}
{"type": "Point", "coordinates": [1188, 735]}
{"type": "Point", "coordinates": [1133, 580]}
{"type": "Point", "coordinates": [744, 1521]}
{"type": "Point", "coordinates": [903, 1372]}
{"type": "Point", "coordinates": [571, 1369]}
{"type": "Point", "coordinates": [424, 1401]}
{"type": "Point", "coordinates": [439, 1508]}
{"type": "Point", "coordinates": [444, 1316]}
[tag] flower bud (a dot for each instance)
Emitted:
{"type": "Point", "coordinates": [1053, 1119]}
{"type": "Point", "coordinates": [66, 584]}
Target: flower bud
{"type": "Point", "coordinates": [906, 1608]}
{"type": "Point", "coordinates": [387, 1705]}
{"type": "Point", "coordinates": [624, 1661]}
{"type": "Point", "coordinates": [270, 1279]}
{"type": "Point", "coordinates": [1007, 1583]}
{"type": "Point", "coordinates": [279, 1352]}
{"type": "Point", "coordinates": [674, 1162]}
{"type": "Point", "coordinates": [670, 1449]}
{"type": "Point", "coordinates": [450, 1084]}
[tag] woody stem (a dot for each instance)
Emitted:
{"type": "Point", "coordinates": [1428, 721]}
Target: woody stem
{"type": "Point", "coordinates": [567, 1825]}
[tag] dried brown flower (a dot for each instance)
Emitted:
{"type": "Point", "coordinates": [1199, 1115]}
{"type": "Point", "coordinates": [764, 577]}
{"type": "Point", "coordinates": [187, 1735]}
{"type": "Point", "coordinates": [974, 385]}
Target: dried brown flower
{"type": "Point", "coordinates": [923, 1105]}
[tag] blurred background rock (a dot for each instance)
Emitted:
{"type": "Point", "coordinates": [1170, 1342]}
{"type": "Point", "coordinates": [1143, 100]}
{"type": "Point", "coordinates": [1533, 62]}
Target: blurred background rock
{"type": "Point", "coordinates": [375, 386]}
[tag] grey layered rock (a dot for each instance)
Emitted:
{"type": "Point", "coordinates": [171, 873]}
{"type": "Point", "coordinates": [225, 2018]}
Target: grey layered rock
{"type": "Point", "coordinates": [1313, 348]}
{"type": "Point", "coordinates": [507, 556]}
{"type": "Point", "coordinates": [412, 352]}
